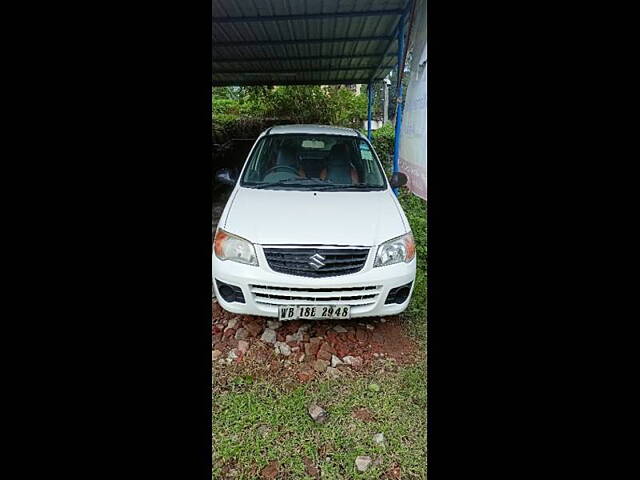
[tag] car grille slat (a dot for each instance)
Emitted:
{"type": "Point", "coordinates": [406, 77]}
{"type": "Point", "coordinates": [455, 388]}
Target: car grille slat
{"type": "Point", "coordinates": [318, 293]}
{"type": "Point", "coordinates": [298, 261]}
{"type": "Point", "coordinates": [315, 290]}
{"type": "Point", "coordinates": [287, 266]}
{"type": "Point", "coordinates": [355, 296]}
{"type": "Point", "coordinates": [302, 263]}
{"type": "Point", "coordinates": [275, 301]}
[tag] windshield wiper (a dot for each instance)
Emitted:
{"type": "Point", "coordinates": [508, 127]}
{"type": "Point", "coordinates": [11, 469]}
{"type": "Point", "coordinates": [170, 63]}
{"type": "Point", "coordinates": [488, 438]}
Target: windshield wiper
{"type": "Point", "coordinates": [292, 182]}
{"type": "Point", "coordinates": [357, 186]}
{"type": "Point", "coordinates": [315, 184]}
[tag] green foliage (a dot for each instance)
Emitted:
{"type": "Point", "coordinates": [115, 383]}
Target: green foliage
{"type": "Point", "coordinates": [416, 211]}
{"type": "Point", "coordinates": [383, 141]}
{"type": "Point", "coordinates": [225, 106]}
{"type": "Point", "coordinates": [331, 105]}
{"type": "Point", "coordinates": [347, 108]}
{"type": "Point", "coordinates": [223, 93]}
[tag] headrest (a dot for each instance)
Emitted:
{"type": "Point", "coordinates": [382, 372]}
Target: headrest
{"type": "Point", "coordinates": [339, 155]}
{"type": "Point", "coordinates": [286, 157]}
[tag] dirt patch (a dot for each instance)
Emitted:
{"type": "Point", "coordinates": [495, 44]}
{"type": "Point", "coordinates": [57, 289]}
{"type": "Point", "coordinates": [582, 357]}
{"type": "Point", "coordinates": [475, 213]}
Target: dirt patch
{"type": "Point", "coordinates": [310, 468]}
{"type": "Point", "coordinates": [393, 472]}
{"type": "Point", "coordinates": [270, 471]}
{"type": "Point", "coordinates": [364, 414]}
{"type": "Point", "coordinates": [305, 350]}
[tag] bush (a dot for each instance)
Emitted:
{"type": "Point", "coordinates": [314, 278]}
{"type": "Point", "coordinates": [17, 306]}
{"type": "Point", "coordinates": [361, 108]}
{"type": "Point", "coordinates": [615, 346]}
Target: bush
{"type": "Point", "coordinates": [331, 105]}
{"type": "Point", "coordinates": [383, 141]}
{"type": "Point", "coordinates": [416, 210]}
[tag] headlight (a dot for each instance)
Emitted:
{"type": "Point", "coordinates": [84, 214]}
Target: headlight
{"type": "Point", "coordinates": [230, 247]}
{"type": "Point", "coordinates": [401, 249]}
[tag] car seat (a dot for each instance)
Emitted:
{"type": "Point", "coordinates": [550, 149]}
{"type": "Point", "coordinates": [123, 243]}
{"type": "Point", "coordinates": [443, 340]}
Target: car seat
{"type": "Point", "coordinates": [312, 166]}
{"type": "Point", "coordinates": [339, 169]}
{"type": "Point", "coordinates": [286, 166]}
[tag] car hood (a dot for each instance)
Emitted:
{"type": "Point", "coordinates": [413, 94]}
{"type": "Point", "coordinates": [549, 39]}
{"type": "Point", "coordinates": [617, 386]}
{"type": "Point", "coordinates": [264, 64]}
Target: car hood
{"type": "Point", "coordinates": [288, 217]}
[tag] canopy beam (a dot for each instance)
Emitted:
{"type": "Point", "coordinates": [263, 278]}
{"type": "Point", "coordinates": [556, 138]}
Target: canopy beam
{"type": "Point", "coordinates": [333, 69]}
{"type": "Point", "coordinates": [300, 42]}
{"type": "Point", "coordinates": [288, 59]}
{"type": "Point", "coordinates": [312, 16]}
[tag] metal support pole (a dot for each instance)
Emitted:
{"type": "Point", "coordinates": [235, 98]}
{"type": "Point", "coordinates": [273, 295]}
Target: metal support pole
{"type": "Point", "coordinates": [369, 102]}
{"type": "Point", "coordinates": [385, 113]}
{"type": "Point", "coordinates": [396, 149]}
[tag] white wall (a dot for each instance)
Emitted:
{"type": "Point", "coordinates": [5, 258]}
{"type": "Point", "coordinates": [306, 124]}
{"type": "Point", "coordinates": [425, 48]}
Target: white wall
{"type": "Point", "coordinates": [375, 124]}
{"type": "Point", "coordinates": [413, 133]}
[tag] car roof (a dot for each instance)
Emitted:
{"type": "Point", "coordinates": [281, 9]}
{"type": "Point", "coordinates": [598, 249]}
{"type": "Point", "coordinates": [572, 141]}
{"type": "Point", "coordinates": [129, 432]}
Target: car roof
{"type": "Point", "coordinates": [312, 130]}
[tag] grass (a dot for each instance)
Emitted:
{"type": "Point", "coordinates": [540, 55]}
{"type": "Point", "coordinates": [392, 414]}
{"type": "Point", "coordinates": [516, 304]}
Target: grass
{"type": "Point", "coordinates": [255, 423]}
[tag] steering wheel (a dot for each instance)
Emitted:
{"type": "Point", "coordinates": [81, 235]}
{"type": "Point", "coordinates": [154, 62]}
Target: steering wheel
{"type": "Point", "coordinates": [285, 168]}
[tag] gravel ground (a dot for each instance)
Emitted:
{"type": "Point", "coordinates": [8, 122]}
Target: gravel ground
{"type": "Point", "coordinates": [306, 350]}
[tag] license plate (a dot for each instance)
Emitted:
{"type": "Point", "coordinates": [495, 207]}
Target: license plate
{"type": "Point", "coordinates": [313, 312]}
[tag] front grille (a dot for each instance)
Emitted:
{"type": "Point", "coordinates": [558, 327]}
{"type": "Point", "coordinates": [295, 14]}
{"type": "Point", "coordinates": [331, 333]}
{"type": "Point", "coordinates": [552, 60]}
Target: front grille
{"type": "Point", "coordinates": [298, 261]}
{"type": "Point", "coordinates": [354, 296]}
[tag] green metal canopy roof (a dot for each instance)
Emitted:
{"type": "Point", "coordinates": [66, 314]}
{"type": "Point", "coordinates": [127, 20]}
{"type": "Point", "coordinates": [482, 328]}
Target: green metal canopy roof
{"type": "Point", "coordinates": [294, 42]}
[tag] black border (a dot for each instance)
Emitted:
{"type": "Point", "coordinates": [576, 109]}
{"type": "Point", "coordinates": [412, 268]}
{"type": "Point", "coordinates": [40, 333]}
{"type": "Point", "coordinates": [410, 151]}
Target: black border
{"type": "Point", "coordinates": [119, 237]}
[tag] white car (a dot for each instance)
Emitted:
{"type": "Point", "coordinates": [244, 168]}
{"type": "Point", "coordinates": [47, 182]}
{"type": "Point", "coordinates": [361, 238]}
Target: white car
{"type": "Point", "coordinates": [313, 230]}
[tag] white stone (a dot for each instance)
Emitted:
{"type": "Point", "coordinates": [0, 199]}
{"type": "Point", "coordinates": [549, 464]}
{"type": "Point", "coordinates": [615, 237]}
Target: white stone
{"type": "Point", "coordinates": [378, 439]}
{"type": "Point", "coordinates": [340, 329]}
{"type": "Point", "coordinates": [283, 349]}
{"type": "Point", "coordinates": [296, 337]}
{"type": "Point", "coordinates": [241, 334]}
{"type": "Point", "coordinates": [355, 361]}
{"type": "Point", "coordinates": [268, 336]}
{"type": "Point", "coordinates": [370, 327]}
{"type": "Point", "coordinates": [318, 414]}
{"type": "Point", "coordinates": [335, 361]}
{"type": "Point", "coordinates": [363, 463]}
{"type": "Point", "coordinates": [233, 322]}
{"type": "Point", "coordinates": [274, 324]}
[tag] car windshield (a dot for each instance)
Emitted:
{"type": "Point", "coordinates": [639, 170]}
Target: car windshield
{"type": "Point", "coordinates": [313, 162]}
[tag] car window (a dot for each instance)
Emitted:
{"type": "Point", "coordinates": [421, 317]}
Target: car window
{"type": "Point", "coordinates": [302, 162]}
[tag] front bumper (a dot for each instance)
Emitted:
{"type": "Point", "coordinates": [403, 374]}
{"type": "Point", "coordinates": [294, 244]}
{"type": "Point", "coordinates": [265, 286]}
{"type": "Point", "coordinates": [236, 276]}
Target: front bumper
{"type": "Point", "coordinates": [264, 290]}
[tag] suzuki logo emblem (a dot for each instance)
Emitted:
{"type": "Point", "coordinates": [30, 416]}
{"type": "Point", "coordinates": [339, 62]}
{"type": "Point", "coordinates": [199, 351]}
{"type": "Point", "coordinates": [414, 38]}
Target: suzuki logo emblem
{"type": "Point", "coordinates": [316, 261]}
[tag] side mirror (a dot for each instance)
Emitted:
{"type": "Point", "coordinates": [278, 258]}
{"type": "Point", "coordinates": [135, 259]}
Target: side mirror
{"type": "Point", "coordinates": [398, 179]}
{"type": "Point", "coordinates": [226, 176]}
